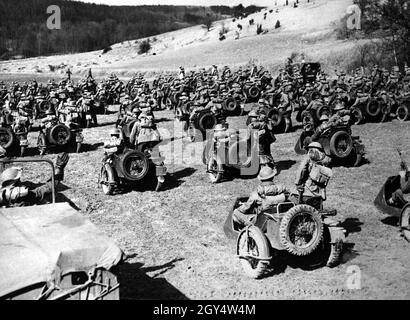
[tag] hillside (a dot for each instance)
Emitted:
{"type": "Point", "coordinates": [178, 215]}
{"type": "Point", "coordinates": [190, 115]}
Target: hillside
{"type": "Point", "coordinates": [308, 29]}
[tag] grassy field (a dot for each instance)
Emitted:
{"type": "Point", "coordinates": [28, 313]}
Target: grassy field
{"type": "Point", "coordinates": [174, 238]}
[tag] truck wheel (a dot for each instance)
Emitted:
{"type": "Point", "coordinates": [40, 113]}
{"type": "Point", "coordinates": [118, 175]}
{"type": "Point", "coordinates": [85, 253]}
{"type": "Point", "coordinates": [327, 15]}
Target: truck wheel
{"type": "Point", "coordinates": [405, 222]}
{"type": "Point", "coordinates": [301, 230]}
{"type": "Point", "coordinates": [215, 169]}
{"type": "Point", "coordinates": [341, 144]}
{"type": "Point", "coordinates": [251, 245]}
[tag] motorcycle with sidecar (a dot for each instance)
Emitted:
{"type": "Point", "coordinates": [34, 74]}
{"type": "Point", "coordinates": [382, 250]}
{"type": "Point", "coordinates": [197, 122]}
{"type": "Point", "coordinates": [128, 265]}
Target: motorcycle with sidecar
{"type": "Point", "coordinates": [401, 211]}
{"type": "Point", "coordinates": [14, 136]}
{"type": "Point", "coordinates": [300, 226]}
{"type": "Point", "coordinates": [60, 136]}
{"type": "Point", "coordinates": [130, 168]}
{"type": "Point", "coordinates": [232, 152]}
{"type": "Point", "coordinates": [338, 143]}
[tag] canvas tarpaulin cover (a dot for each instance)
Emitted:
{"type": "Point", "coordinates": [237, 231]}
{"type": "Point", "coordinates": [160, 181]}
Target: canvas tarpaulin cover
{"type": "Point", "coordinates": [43, 243]}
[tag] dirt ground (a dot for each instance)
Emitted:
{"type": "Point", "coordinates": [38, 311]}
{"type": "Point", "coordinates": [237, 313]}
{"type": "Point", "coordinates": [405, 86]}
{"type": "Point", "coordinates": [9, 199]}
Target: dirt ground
{"type": "Point", "coordinates": [174, 238]}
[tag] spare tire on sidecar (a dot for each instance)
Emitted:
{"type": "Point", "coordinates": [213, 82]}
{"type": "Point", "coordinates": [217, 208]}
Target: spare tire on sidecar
{"type": "Point", "coordinates": [300, 229]}
{"type": "Point", "coordinates": [403, 213]}
{"type": "Point", "coordinates": [132, 168]}
{"type": "Point", "coordinates": [202, 121]}
{"type": "Point", "coordinates": [338, 144]}
{"type": "Point", "coordinates": [60, 136]}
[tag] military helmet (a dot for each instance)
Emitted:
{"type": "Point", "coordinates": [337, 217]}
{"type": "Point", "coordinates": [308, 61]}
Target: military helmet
{"type": "Point", "coordinates": [219, 127]}
{"type": "Point", "coordinates": [324, 117]}
{"type": "Point", "coordinates": [315, 95]}
{"type": "Point", "coordinates": [267, 173]}
{"type": "Point", "coordinates": [253, 113]}
{"type": "Point", "coordinates": [115, 132]}
{"type": "Point", "coordinates": [10, 174]}
{"type": "Point", "coordinates": [315, 145]}
{"type": "Point", "coordinates": [338, 107]}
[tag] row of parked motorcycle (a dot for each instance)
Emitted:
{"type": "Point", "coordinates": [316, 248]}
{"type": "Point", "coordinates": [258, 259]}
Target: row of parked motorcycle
{"type": "Point", "coordinates": [375, 97]}
{"type": "Point", "coordinates": [59, 111]}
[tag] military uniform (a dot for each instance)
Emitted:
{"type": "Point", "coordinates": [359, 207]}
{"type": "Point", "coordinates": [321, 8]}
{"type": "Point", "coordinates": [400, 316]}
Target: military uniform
{"type": "Point", "coordinates": [14, 193]}
{"type": "Point", "coordinates": [313, 174]}
{"type": "Point", "coordinates": [285, 105]}
{"type": "Point", "coordinates": [399, 197]}
{"type": "Point", "coordinates": [262, 199]}
{"type": "Point", "coordinates": [265, 139]}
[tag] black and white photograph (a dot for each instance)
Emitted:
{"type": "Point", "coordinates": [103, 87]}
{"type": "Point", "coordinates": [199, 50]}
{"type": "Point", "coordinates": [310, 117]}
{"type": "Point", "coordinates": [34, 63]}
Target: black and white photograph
{"type": "Point", "coordinates": [222, 151]}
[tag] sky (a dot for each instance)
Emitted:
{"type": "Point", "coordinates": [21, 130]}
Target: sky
{"type": "Point", "coordinates": [185, 2]}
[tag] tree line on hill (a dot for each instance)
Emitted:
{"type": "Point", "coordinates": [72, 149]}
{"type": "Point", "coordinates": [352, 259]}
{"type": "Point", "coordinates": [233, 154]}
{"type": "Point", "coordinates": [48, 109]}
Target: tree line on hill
{"type": "Point", "coordinates": [387, 22]}
{"type": "Point", "coordinates": [88, 27]}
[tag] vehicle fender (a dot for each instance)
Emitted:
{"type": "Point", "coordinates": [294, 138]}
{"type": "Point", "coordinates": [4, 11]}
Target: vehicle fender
{"type": "Point", "coordinates": [272, 233]}
{"type": "Point", "coordinates": [402, 210]}
{"type": "Point", "coordinates": [110, 173]}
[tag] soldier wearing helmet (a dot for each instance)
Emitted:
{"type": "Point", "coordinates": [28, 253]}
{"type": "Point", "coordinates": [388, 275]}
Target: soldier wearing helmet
{"type": "Point", "coordinates": [314, 174]}
{"type": "Point", "coordinates": [87, 103]}
{"type": "Point", "coordinates": [285, 104]}
{"type": "Point", "coordinates": [324, 125]}
{"type": "Point", "coordinates": [222, 133]}
{"type": "Point", "coordinates": [181, 73]}
{"type": "Point", "coordinates": [315, 103]}
{"type": "Point", "coordinates": [116, 143]}
{"type": "Point", "coordinates": [15, 193]}
{"type": "Point", "coordinates": [49, 120]}
{"type": "Point", "coordinates": [215, 106]}
{"type": "Point", "coordinates": [400, 196]}
{"type": "Point", "coordinates": [145, 129]}
{"type": "Point", "coordinates": [253, 115]}
{"type": "Point", "coordinates": [259, 123]}
{"type": "Point", "coordinates": [340, 116]}
{"type": "Point", "coordinates": [266, 195]}
{"type": "Point", "coordinates": [197, 107]}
